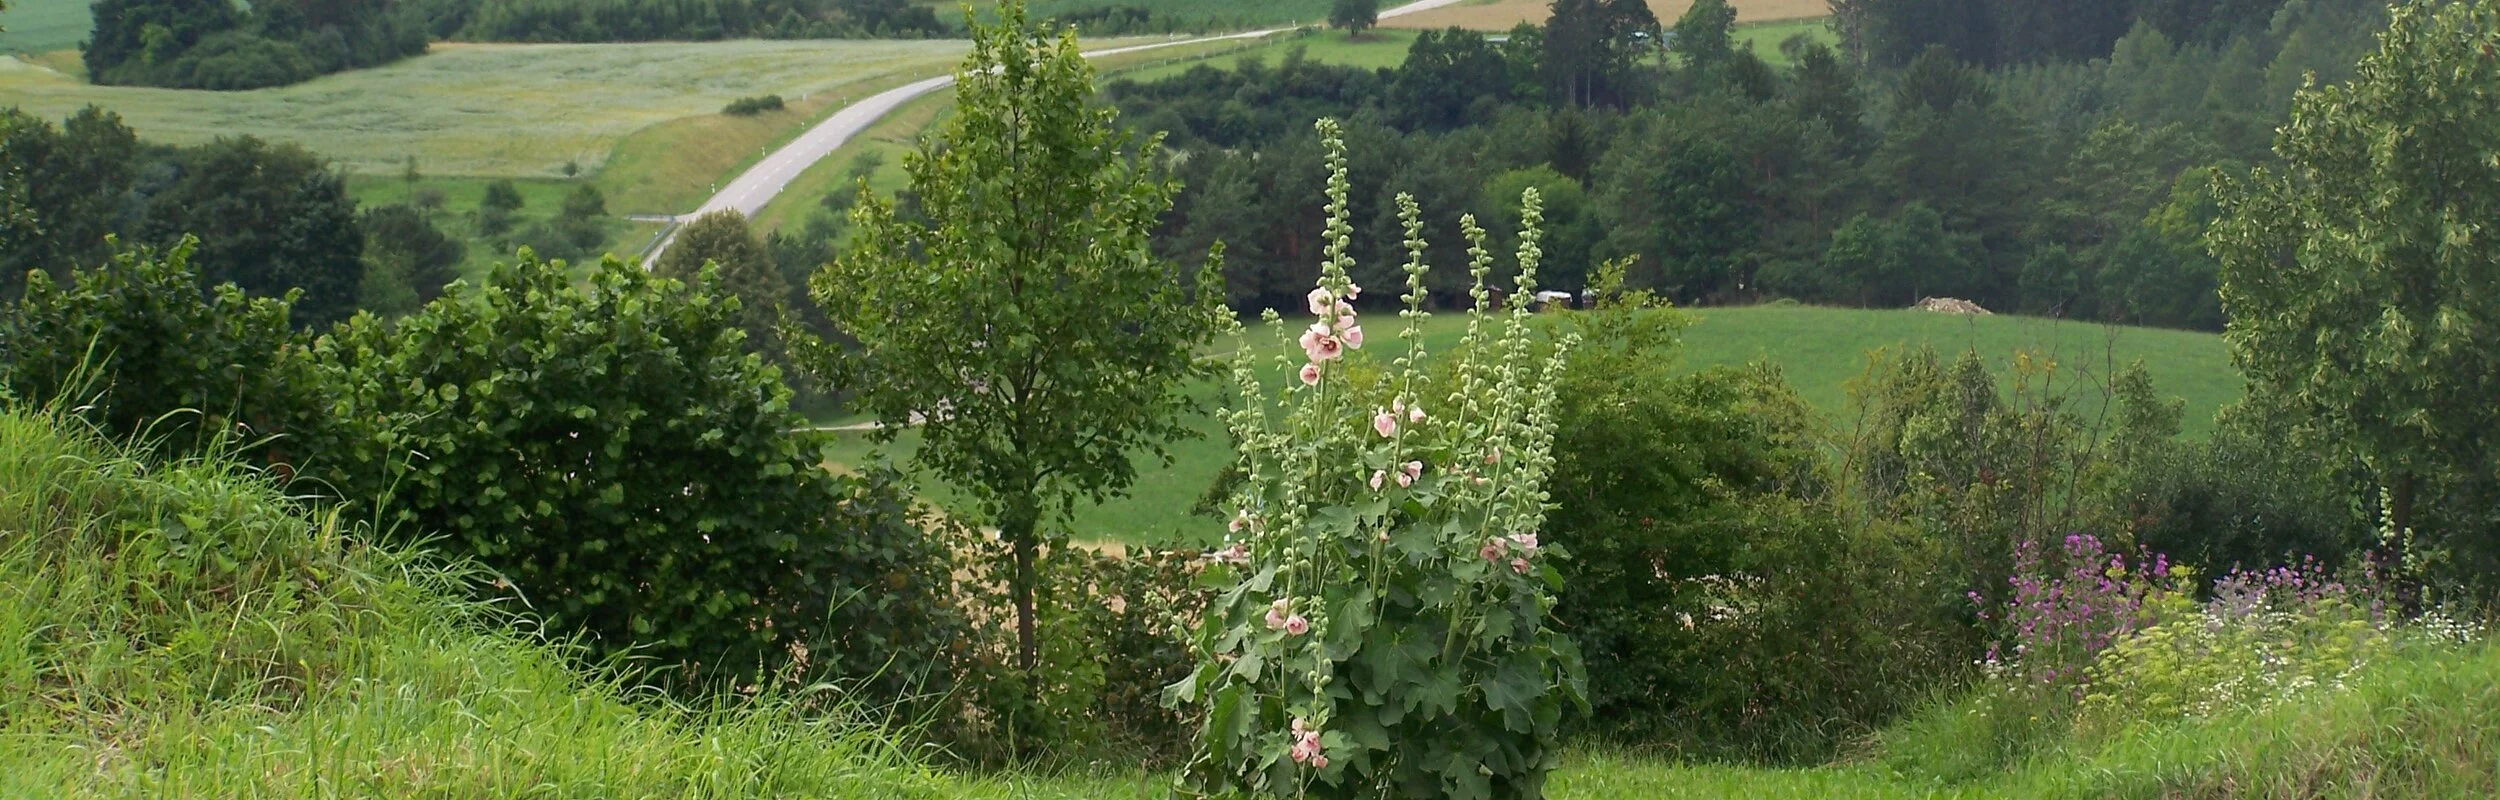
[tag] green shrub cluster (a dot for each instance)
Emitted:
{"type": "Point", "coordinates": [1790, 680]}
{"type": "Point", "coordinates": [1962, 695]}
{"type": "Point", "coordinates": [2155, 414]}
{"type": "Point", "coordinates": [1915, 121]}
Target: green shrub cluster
{"type": "Point", "coordinates": [609, 449]}
{"type": "Point", "coordinates": [213, 44]}
{"type": "Point", "coordinates": [751, 106]}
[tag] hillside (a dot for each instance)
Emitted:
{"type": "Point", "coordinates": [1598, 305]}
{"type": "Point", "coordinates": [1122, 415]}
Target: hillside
{"type": "Point", "coordinates": [1820, 351]}
{"type": "Point", "coordinates": [185, 631]}
{"type": "Point", "coordinates": [495, 110]}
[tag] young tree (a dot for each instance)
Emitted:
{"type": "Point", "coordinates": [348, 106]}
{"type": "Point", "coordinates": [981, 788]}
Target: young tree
{"type": "Point", "coordinates": [1021, 320]}
{"type": "Point", "coordinates": [1706, 34]}
{"type": "Point", "coordinates": [2359, 279]}
{"type": "Point", "coordinates": [722, 239]}
{"type": "Point", "coordinates": [586, 203]}
{"type": "Point", "coordinates": [502, 196]}
{"type": "Point", "coordinates": [1355, 16]}
{"type": "Point", "coordinates": [272, 217]}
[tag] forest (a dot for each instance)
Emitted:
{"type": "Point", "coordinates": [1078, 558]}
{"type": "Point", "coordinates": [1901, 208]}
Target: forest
{"type": "Point", "coordinates": [2072, 187]}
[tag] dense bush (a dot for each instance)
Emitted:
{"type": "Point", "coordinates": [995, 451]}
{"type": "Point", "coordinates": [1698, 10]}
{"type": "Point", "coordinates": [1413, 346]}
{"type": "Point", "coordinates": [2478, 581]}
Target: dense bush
{"type": "Point", "coordinates": [140, 349]}
{"type": "Point", "coordinates": [614, 452]}
{"type": "Point", "coordinates": [751, 106]}
{"type": "Point", "coordinates": [1738, 612]}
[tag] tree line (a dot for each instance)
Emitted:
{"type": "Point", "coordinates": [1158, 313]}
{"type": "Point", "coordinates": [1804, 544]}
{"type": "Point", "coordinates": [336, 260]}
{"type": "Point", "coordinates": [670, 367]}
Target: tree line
{"type": "Point", "coordinates": [2067, 187]}
{"type": "Point", "coordinates": [216, 44]}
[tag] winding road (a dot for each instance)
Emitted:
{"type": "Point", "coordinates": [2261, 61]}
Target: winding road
{"type": "Point", "coordinates": [756, 187]}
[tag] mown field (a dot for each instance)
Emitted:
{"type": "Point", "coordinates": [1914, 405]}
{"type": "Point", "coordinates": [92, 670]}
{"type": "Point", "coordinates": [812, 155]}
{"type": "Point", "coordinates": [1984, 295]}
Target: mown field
{"type": "Point", "coordinates": [1493, 15]}
{"type": "Point", "coordinates": [1820, 350]}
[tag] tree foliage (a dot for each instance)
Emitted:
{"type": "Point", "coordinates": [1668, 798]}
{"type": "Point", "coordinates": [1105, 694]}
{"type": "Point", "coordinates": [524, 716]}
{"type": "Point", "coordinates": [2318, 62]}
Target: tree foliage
{"type": "Point", "coordinates": [2359, 277]}
{"type": "Point", "coordinates": [1355, 16]}
{"type": "Point", "coordinates": [721, 240]}
{"type": "Point", "coordinates": [273, 218]}
{"type": "Point", "coordinates": [1020, 320]}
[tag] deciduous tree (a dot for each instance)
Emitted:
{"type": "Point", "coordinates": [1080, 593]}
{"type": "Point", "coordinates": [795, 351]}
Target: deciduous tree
{"type": "Point", "coordinates": [1021, 321]}
{"type": "Point", "coordinates": [2360, 277]}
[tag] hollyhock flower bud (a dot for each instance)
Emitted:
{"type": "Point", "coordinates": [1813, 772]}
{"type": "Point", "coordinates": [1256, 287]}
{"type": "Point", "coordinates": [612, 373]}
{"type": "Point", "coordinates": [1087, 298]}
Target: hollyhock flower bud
{"type": "Point", "coordinates": [1310, 374]}
{"type": "Point", "coordinates": [1414, 469]}
{"type": "Point", "coordinates": [1377, 475]}
{"type": "Point", "coordinates": [1519, 565]}
{"type": "Point", "coordinates": [1405, 480]}
{"type": "Point", "coordinates": [1385, 423]}
{"type": "Point", "coordinates": [1321, 302]}
{"type": "Point", "coordinates": [1415, 413]}
{"type": "Point", "coordinates": [1276, 614]}
{"type": "Point", "coordinates": [1492, 551]}
{"type": "Point", "coordinates": [1296, 625]}
{"type": "Point", "coordinates": [1353, 292]}
{"type": "Point", "coordinates": [1241, 519]}
{"type": "Point", "coordinates": [1493, 456]}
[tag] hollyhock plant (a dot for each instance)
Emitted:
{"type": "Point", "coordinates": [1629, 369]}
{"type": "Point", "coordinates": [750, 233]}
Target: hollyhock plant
{"type": "Point", "coordinates": [1390, 640]}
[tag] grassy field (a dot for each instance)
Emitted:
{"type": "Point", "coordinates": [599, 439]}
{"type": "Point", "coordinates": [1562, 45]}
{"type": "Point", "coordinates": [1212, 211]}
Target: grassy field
{"type": "Point", "coordinates": [1208, 14]}
{"type": "Point", "coordinates": [1502, 15]}
{"type": "Point", "coordinates": [509, 110]}
{"type": "Point", "coordinates": [43, 26]}
{"type": "Point", "coordinates": [1820, 350]}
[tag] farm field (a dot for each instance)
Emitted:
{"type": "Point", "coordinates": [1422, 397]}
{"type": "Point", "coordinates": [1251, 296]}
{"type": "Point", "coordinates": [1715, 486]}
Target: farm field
{"type": "Point", "coordinates": [1820, 350]}
{"type": "Point", "coordinates": [497, 110]}
{"type": "Point", "coordinates": [44, 26]}
{"type": "Point", "coordinates": [1496, 15]}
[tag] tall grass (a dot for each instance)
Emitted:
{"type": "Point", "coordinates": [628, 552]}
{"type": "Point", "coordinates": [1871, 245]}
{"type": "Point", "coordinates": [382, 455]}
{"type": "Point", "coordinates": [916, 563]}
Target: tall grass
{"type": "Point", "coordinates": [184, 630]}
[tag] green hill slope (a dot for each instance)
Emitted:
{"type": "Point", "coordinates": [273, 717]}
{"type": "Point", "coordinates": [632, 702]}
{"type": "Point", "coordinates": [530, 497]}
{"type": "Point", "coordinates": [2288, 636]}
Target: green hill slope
{"type": "Point", "coordinates": [177, 632]}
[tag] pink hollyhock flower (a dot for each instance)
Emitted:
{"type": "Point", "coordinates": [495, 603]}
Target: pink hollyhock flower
{"type": "Point", "coordinates": [1276, 614]}
{"type": "Point", "coordinates": [1353, 292]}
{"type": "Point", "coordinates": [1376, 476]}
{"type": "Point", "coordinates": [1385, 423]}
{"type": "Point", "coordinates": [1306, 748]}
{"type": "Point", "coordinates": [1320, 345]}
{"type": "Point", "coordinates": [1353, 336]}
{"type": "Point", "coordinates": [1408, 472]}
{"type": "Point", "coordinates": [1415, 413]}
{"type": "Point", "coordinates": [1237, 554]}
{"type": "Point", "coordinates": [1526, 542]}
{"type": "Point", "coordinates": [1310, 374]}
{"type": "Point", "coordinates": [1241, 519]}
{"type": "Point", "coordinates": [1493, 456]}
{"type": "Point", "coordinates": [1519, 565]}
{"type": "Point", "coordinates": [1319, 761]}
{"type": "Point", "coordinates": [1296, 625]}
{"type": "Point", "coordinates": [1321, 302]}
{"type": "Point", "coordinates": [1492, 551]}
{"type": "Point", "coordinates": [1299, 728]}
{"type": "Point", "coordinates": [1345, 315]}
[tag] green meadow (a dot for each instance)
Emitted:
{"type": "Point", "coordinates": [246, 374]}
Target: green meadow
{"type": "Point", "coordinates": [1821, 352]}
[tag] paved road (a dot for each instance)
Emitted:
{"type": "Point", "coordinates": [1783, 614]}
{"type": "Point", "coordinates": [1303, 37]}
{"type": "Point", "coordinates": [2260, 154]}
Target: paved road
{"type": "Point", "coordinates": [761, 183]}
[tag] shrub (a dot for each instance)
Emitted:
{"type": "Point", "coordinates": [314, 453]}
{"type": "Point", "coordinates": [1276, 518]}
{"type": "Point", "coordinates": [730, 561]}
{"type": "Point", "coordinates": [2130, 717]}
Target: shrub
{"type": "Point", "coordinates": [613, 451]}
{"type": "Point", "coordinates": [1390, 631]}
{"type": "Point", "coordinates": [1739, 612]}
{"type": "Point", "coordinates": [138, 348]}
{"type": "Point", "coordinates": [751, 106]}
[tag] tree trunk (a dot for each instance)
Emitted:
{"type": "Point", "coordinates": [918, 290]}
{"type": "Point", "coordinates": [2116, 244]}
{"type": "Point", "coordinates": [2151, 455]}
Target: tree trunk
{"type": "Point", "coordinates": [1017, 526]}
